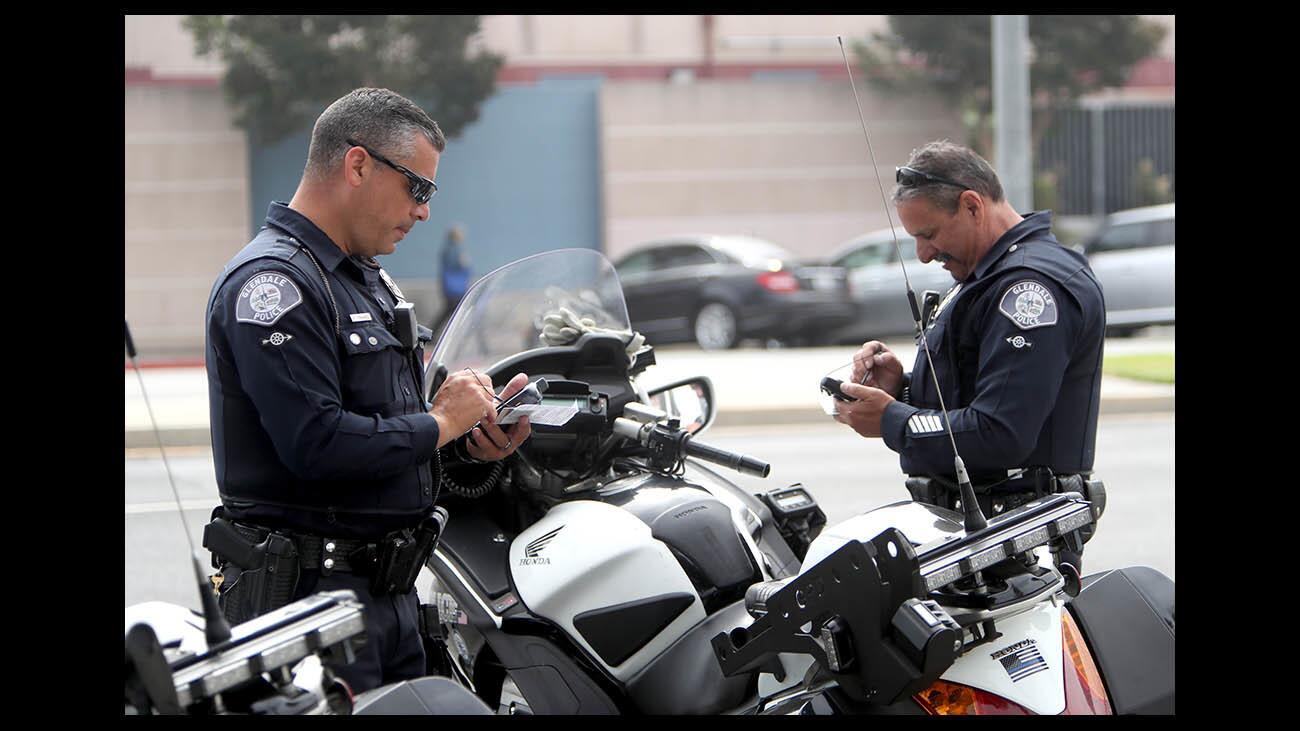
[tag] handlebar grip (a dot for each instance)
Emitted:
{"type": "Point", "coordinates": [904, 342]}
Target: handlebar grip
{"type": "Point", "coordinates": [738, 462]}
{"type": "Point", "coordinates": [756, 595]}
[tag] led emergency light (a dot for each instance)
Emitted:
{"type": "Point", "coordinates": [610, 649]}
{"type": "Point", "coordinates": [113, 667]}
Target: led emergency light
{"type": "Point", "coordinates": [272, 641]}
{"type": "Point", "coordinates": [1025, 528]}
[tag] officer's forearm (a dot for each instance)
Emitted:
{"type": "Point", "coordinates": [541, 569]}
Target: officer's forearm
{"type": "Point", "coordinates": [346, 445]}
{"type": "Point", "coordinates": [920, 436]}
{"type": "Point", "coordinates": [444, 434]}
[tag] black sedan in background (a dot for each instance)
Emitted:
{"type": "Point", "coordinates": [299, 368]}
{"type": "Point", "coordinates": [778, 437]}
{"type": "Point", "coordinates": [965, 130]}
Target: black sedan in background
{"type": "Point", "coordinates": [718, 290]}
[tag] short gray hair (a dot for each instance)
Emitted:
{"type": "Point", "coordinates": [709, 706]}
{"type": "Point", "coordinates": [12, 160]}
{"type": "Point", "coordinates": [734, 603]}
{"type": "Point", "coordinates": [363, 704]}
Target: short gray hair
{"type": "Point", "coordinates": [959, 164]}
{"type": "Point", "coordinates": [383, 120]}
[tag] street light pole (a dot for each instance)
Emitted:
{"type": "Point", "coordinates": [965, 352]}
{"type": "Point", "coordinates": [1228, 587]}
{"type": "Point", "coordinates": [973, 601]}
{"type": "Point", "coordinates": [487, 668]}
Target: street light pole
{"type": "Point", "coordinates": [1012, 132]}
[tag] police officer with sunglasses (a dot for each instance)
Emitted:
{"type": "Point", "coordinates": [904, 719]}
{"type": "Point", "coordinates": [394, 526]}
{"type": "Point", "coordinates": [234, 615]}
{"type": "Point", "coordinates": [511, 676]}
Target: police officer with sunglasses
{"type": "Point", "coordinates": [1015, 345]}
{"type": "Point", "coordinates": [328, 456]}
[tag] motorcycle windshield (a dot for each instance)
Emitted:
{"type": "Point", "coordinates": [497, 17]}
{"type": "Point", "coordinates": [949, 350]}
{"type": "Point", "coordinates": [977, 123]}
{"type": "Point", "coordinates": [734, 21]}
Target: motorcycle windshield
{"type": "Point", "coordinates": [505, 312]}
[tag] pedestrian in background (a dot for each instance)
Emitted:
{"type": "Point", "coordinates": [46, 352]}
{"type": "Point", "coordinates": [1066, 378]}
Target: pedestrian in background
{"type": "Point", "coordinates": [454, 274]}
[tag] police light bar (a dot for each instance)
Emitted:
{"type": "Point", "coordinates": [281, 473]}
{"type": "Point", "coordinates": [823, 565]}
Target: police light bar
{"type": "Point", "coordinates": [1031, 525]}
{"type": "Point", "coordinates": [278, 639]}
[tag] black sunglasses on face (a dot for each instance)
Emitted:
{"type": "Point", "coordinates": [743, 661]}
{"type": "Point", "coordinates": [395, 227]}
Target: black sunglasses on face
{"type": "Point", "coordinates": [422, 189]}
{"type": "Point", "coordinates": [911, 177]}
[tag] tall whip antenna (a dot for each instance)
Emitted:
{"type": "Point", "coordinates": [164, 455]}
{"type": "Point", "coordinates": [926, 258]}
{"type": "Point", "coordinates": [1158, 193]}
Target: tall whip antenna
{"type": "Point", "coordinates": [216, 628]}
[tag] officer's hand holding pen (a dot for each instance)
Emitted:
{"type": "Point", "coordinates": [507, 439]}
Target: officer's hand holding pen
{"type": "Point", "coordinates": [488, 442]}
{"type": "Point", "coordinates": [876, 365]}
{"type": "Point", "coordinates": [462, 401]}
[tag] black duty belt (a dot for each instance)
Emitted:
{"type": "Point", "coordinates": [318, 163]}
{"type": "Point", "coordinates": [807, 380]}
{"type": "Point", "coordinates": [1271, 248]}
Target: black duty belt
{"type": "Point", "coordinates": [336, 554]}
{"type": "Point", "coordinates": [324, 554]}
{"type": "Point", "coordinates": [997, 495]}
{"type": "Point", "coordinates": [1030, 479]}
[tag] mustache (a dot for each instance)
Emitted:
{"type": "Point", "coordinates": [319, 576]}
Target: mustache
{"type": "Point", "coordinates": [943, 258]}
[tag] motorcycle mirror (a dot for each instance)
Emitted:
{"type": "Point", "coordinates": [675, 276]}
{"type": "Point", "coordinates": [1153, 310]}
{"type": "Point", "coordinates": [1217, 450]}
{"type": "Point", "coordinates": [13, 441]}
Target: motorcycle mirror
{"type": "Point", "coordinates": [690, 401]}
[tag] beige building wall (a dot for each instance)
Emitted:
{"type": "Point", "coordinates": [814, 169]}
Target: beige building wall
{"type": "Point", "coordinates": [782, 160]}
{"type": "Point", "coordinates": [186, 187]}
{"type": "Point", "coordinates": [638, 39]}
{"type": "Point", "coordinates": [159, 43]}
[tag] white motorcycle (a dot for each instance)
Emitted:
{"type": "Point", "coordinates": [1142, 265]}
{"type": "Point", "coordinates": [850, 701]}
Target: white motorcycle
{"type": "Point", "coordinates": [604, 568]}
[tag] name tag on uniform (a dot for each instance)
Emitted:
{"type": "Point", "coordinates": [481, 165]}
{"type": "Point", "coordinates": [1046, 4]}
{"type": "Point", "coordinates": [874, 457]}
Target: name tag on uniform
{"type": "Point", "coordinates": [360, 317]}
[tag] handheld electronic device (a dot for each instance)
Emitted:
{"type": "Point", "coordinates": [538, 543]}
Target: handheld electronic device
{"type": "Point", "coordinates": [530, 394]}
{"type": "Point", "coordinates": [831, 386]}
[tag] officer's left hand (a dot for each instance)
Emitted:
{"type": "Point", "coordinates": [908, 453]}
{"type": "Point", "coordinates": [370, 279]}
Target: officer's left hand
{"type": "Point", "coordinates": [488, 442]}
{"type": "Point", "coordinates": [865, 414]}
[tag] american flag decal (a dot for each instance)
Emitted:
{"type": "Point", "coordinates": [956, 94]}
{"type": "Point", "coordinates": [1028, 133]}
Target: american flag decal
{"type": "Point", "coordinates": [536, 546]}
{"type": "Point", "coordinates": [1021, 660]}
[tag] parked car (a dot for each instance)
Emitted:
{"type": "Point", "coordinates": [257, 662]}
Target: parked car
{"type": "Point", "coordinates": [879, 289]}
{"type": "Point", "coordinates": [1132, 255]}
{"type": "Point", "coordinates": [717, 290]}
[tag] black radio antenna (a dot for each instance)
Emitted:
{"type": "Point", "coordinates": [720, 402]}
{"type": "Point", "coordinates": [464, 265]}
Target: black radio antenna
{"type": "Point", "coordinates": [974, 517]}
{"type": "Point", "coordinates": [216, 628]}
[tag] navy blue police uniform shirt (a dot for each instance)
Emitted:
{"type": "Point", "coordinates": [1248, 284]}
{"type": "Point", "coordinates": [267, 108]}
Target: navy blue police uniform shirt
{"type": "Point", "coordinates": [1017, 350]}
{"type": "Point", "coordinates": [319, 424]}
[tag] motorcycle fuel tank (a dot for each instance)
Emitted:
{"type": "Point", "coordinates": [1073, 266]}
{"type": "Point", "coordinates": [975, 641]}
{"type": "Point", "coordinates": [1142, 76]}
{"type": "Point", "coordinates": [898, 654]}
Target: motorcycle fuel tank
{"type": "Point", "coordinates": [596, 571]}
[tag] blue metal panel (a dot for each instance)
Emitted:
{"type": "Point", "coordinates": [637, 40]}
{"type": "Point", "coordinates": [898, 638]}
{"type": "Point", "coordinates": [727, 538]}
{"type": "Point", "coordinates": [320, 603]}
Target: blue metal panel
{"type": "Point", "coordinates": [524, 178]}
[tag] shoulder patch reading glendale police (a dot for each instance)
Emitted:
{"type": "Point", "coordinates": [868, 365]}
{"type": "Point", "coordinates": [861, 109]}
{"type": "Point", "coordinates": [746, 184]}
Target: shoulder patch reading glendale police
{"type": "Point", "coordinates": [265, 297]}
{"type": "Point", "coordinates": [1029, 305]}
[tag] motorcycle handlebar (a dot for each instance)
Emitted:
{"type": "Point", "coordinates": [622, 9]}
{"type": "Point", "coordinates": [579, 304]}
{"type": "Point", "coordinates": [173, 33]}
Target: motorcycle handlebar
{"type": "Point", "coordinates": [642, 434]}
{"type": "Point", "coordinates": [738, 462]}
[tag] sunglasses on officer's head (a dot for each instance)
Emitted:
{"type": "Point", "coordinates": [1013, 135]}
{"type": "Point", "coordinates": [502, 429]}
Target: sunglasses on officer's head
{"type": "Point", "coordinates": [422, 189]}
{"type": "Point", "coordinates": [911, 178]}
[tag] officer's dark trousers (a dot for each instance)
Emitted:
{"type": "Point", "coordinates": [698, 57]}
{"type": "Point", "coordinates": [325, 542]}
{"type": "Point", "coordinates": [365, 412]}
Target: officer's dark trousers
{"type": "Point", "coordinates": [393, 651]}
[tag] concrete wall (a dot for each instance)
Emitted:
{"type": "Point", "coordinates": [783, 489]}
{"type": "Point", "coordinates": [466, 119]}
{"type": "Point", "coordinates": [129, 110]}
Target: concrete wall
{"type": "Point", "coordinates": [186, 193]}
{"type": "Point", "coordinates": [782, 160]}
{"type": "Point", "coordinates": [159, 43]}
{"type": "Point", "coordinates": [622, 39]}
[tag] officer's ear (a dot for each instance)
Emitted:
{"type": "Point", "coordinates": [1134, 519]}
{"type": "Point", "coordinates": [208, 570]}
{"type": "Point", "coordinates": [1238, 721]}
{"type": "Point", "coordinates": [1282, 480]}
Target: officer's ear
{"type": "Point", "coordinates": [354, 166]}
{"type": "Point", "coordinates": [971, 204]}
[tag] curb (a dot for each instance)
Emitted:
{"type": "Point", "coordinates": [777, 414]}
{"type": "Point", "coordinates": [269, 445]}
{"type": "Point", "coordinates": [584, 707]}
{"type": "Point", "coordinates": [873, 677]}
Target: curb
{"type": "Point", "coordinates": [1137, 405]}
{"type": "Point", "coordinates": [200, 436]}
{"type": "Point", "coordinates": [171, 437]}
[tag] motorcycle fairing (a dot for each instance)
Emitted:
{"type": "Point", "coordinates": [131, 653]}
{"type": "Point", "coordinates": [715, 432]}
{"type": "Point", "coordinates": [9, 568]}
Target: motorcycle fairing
{"type": "Point", "coordinates": [609, 629]}
{"type": "Point", "coordinates": [482, 547]}
{"type": "Point", "coordinates": [599, 556]}
{"type": "Point", "coordinates": [1036, 631]}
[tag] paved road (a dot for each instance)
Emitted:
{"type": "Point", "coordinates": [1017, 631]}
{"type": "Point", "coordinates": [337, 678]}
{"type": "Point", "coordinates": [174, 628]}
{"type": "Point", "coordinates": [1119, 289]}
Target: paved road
{"type": "Point", "coordinates": [846, 474]}
{"type": "Point", "coordinates": [849, 475]}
